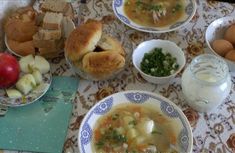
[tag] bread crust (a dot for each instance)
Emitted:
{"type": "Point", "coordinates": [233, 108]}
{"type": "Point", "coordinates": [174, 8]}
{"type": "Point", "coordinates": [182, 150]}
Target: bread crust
{"type": "Point", "coordinates": [21, 25]}
{"type": "Point", "coordinates": [96, 54]}
{"type": "Point", "coordinates": [20, 31]}
{"type": "Point", "coordinates": [102, 64]}
{"type": "Point", "coordinates": [21, 48]}
{"type": "Point", "coordinates": [109, 43]}
{"type": "Point", "coordinates": [83, 40]}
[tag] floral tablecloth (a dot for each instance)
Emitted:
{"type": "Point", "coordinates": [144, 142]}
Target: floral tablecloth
{"type": "Point", "coordinates": [212, 132]}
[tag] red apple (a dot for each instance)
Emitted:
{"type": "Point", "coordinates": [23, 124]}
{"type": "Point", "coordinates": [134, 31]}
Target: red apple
{"type": "Point", "coordinates": [9, 70]}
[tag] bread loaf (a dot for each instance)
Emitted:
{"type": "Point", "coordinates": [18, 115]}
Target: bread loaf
{"type": "Point", "coordinates": [20, 31]}
{"type": "Point", "coordinates": [20, 26]}
{"type": "Point", "coordinates": [21, 48]}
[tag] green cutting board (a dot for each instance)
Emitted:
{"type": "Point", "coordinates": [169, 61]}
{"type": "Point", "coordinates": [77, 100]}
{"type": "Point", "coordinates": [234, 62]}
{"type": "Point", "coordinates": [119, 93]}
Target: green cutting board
{"type": "Point", "coordinates": [41, 126]}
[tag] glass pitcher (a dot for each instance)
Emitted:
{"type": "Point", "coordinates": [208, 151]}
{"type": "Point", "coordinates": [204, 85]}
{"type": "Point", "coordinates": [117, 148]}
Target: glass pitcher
{"type": "Point", "coordinates": [206, 82]}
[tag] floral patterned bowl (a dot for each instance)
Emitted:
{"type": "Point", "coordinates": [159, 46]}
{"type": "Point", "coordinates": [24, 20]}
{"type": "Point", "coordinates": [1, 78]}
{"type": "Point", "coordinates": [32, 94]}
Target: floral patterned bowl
{"type": "Point", "coordinates": [215, 31]}
{"type": "Point", "coordinates": [162, 105]}
{"type": "Point", "coordinates": [190, 9]}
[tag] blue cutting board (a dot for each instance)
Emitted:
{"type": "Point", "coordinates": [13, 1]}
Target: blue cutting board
{"type": "Point", "coordinates": [41, 126]}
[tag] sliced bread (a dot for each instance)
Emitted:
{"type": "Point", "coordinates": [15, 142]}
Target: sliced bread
{"type": "Point", "coordinates": [60, 6]}
{"type": "Point", "coordinates": [49, 34]}
{"type": "Point", "coordinates": [52, 21]}
{"type": "Point", "coordinates": [40, 43]}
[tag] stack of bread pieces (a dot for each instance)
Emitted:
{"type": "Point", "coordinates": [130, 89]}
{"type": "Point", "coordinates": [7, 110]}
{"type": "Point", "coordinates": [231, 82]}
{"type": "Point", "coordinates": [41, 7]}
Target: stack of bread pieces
{"type": "Point", "coordinates": [57, 6]}
{"type": "Point", "coordinates": [49, 38]}
{"type": "Point", "coordinates": [42, 32]}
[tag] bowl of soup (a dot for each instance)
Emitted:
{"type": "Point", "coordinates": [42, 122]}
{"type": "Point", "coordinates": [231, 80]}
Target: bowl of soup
{"type": "Point", "coordinates": [135, 121]}
{"type": "Point", "coordinates": [154, 16]}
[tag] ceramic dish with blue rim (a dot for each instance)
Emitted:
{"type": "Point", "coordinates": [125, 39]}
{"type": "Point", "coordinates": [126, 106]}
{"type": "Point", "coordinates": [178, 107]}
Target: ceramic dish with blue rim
{"type": "Point", "coordinates": [157, 16]}
{"type": "Point", "coordinates": [136, 121]}
{"type": "Point", "coordinates": [31, 97]}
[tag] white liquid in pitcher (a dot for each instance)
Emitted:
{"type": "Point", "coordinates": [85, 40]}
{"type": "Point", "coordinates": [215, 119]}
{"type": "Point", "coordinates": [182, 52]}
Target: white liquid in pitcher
{"type": "Point", "coordinates": [201, 90]}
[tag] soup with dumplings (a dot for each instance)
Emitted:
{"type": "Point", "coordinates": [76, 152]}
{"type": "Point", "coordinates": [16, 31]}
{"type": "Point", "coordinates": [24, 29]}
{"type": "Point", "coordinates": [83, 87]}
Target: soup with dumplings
{"type": "Point", "coordinates": [154, 13]}
{"type": "Point", "coordinates": [132, 128]}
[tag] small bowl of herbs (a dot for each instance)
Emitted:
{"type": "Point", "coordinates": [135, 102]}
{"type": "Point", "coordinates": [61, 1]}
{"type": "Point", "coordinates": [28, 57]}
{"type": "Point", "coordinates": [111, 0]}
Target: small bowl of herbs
{"type": "Point", "coordinates": [158, 61]}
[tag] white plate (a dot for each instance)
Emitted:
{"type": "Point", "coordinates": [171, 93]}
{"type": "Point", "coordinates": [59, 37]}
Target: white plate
{"type": "Point", "coordinates": [190, 10]}
{"type": "Point", "coordinates": [163, 106]}
{"type": "Point", "coordinates": [30, 98]}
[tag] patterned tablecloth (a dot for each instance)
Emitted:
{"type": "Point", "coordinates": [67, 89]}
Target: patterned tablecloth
{"type": "Point", "coordinates": [212, 132]}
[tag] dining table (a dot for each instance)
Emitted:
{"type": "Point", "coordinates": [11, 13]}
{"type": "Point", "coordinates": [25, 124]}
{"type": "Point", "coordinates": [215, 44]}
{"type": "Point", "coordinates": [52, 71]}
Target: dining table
{"type": "Point", "coordinates": [213, 131]}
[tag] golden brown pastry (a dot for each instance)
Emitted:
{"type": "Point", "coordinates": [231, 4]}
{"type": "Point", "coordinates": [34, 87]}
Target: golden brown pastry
{"type": "Point", "coordinates": [109, 43]}
{"type": "Point", "coordinates": [20, 31]}
{"type": "Point", "coordinates": [97, 54]}
{"type": "Point", "coordinates": [21, 25]}
{"type": "Point", "coordinates": [83, 40]}
{"type": "Point", "coordinates": [21, 48]}
{"type": "Point", "coordinates": [101, 64]}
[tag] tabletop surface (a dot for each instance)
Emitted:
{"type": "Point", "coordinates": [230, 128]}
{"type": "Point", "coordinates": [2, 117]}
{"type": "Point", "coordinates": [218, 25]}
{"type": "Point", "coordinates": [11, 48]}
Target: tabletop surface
{"type": "Point", "coordinates": [212, 132]}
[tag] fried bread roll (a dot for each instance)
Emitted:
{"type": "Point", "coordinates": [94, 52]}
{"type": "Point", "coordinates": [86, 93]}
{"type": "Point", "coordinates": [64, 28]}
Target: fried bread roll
{"type": "Point", "coordinates": [97, 54]}
{"type": "Point", "coordinates": [109, 43]}
{"type": "Point", "coordinates": [83, 40]}
{"type": "Point", "coordinates": [101, 64]}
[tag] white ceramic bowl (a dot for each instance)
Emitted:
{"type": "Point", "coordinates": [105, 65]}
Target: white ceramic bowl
{"type": "Point", "coordinates": [167, 46]}
{"type": "Point", "coordinates": [162, 105]}
{"type": "Point", "coordinates": [215, 31]}
{"type": "Point", "coordinates": [189, 11]}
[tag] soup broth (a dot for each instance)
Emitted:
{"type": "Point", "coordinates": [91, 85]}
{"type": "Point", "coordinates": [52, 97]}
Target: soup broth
{"type": "Point", "coordinates": [133, 128]}
{"type": "Point", "coordinates": [154, 13]}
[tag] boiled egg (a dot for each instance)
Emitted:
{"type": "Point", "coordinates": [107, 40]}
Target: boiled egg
{"type": "Point", "coordinates": [230, 33]}
{"type": "Point", "coordinates": [222, 46]}
{"type": "Point", "coordinates": [230, 55]}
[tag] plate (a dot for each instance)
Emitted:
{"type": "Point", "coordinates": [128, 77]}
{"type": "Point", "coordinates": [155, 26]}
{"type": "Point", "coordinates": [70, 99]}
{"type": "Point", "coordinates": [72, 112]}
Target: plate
{"type": "Point", "coordinates": [190, 10]}
{"type": "Point", "coordinates": [30, 98]}
{"type": "Point", "coordinates": [162, 105]}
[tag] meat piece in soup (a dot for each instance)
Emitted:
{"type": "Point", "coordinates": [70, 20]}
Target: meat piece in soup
{"type": "Point", "coordinates": [133, 128]}
{"type": "Point", "coordinates": [154, 13]}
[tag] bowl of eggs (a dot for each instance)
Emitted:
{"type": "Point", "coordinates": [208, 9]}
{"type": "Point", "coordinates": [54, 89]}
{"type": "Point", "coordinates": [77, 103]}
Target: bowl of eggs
{"type": "Point", "coordinates": [221, 41]}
